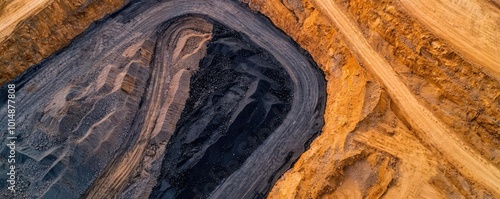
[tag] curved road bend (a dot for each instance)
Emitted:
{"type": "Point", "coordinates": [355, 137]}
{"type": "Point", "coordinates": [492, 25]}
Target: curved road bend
{"type": "Point", "coordinates": [68, 78]}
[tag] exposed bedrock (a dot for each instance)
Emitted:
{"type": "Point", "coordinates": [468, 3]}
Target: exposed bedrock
{"type": "Point", "coordinates": [372, 144]}
{"type": "Point", "coordinates": [438, 56]}
{"type": "Point", "coordinates": [158, 92]}
{"type": "Point", "coordinates": [32, 31]}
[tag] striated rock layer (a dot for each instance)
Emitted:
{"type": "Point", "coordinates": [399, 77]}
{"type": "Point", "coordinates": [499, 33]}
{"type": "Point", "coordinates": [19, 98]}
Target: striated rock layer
{"type": "Point", "coordinates": [413, 94]}
{"type": "Point", "coordinates": [406, 116]}
{"type": "Point", "coordinates": [166, 99]}
{"type": "Point", "coordinates": [32, 30]}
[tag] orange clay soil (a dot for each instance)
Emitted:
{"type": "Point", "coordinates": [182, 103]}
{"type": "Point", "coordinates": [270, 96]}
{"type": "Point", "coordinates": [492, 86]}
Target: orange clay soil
{"type": "Point", "coordinates": [413, 90]}
{"type": "Point", "coordinates": [32, 30]}
{"type": "Point", "coordinates": [406, 115]}
{"type": "Point", "coordinates": [15, 11]}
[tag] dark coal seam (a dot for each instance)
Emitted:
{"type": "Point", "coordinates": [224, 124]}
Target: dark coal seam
{"type": "Point", "coordinates": [227, 33]}
{"type": "Point", "coordinates": [22, 79]}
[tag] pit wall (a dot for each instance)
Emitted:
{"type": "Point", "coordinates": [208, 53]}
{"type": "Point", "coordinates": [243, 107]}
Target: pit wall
{"type": "Point", "coordinates": [367, 148]}
{"type": "Point", "coordinates": [43, 33]}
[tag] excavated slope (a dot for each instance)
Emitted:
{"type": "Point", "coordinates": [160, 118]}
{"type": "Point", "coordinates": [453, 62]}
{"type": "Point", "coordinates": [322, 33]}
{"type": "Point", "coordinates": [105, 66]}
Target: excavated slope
{"type": "Point", "coordinates": [32, 30]}
{"type": "Point", "coordinates": [407, 115]}
{"type": "Point", "coordinates": [184, 99]}
{"type": "Point", "coordinates": [413, 92]}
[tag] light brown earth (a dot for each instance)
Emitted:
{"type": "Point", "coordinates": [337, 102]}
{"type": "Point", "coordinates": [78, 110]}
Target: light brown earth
{"type": "Point", "coordinates": [31, 30]}
{"type": "Point", "coordinates": [15, 11]}
{"type": "Point", "coordinates": [413, 90]}
{"type": "Point", "coordinates": [470, 27]}
{"type": "Point", "coordinates": [407, 115]}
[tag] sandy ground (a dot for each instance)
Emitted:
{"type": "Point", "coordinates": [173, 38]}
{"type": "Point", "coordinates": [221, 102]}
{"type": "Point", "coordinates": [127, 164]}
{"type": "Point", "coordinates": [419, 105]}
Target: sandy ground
{"type": "Point", "coordinates": [15, 12]}
{"type": "Point", "coordinates": [471, 27]}
{"type": "Point", "coordinates": [430, 128]}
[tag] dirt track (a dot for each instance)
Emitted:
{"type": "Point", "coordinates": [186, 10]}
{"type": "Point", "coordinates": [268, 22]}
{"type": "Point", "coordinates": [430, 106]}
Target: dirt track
{"type": "Point", "coordinates": [168, 69]}
{"type": "Point", "coordinates": [435, 65]}
{"type": "Point", "coordinates": [107, 103]}
{"type": "Point", "coordinates": [430, 129]}
{"type": "Point", "coordinates": [470, 27]}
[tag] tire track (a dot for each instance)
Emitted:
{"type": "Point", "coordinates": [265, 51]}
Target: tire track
{"type": "Point", "coordinates": [115, 161]}
{"type": "Point", "coordinates": [429, 128]}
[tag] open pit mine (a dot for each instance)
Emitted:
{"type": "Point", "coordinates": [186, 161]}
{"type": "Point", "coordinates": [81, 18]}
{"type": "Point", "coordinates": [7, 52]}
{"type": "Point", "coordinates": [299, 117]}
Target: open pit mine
{"type": "Point", "coordinates": [249, 99]}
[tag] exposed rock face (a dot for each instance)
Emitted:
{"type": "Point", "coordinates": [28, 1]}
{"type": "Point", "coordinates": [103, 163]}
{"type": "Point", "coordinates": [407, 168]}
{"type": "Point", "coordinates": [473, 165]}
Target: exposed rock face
{"type": "Point", "coordinates": [166, 93]}
{"type": "Point", "coordinates": [179, 48]}
{"type": "Point", "coordinates": [412, 107]}
{"type": "Point", "coordinates": [370, 142]}
{"type": "Point", "coordinates": [32, 30]}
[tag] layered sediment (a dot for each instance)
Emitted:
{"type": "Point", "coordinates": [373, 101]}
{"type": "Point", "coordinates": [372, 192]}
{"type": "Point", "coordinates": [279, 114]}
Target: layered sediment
{"type": "Point", "coordinates": [412, 102]}
{"type": "Point", "coordinates": [179, 48]}
{"type": "Point", "coordinates": [131, 96]}
{"type": "Point", "coordinates": [31, 31]}
{"type": "Point", "coordinates": [374, 141]}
